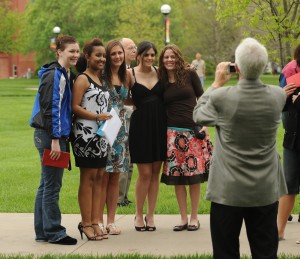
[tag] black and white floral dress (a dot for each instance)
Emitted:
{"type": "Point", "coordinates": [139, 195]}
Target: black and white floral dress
{"type": "Point", "coordinates": [89, 149]}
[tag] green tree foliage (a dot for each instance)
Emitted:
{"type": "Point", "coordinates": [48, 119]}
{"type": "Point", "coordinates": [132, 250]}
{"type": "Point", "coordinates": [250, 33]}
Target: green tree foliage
{"type": "Point", "coordinates": [41, 18]}
{"type": "Point", "coordinates": [142, 20]}
{"type": "Point", "coordinates": [136, 19]}
{"type": "Point", "coordinates": [215, 40]}
{"type": "Point", "coordinates": [271, 21]}
{"type": "Point", "coordinates": [9, 29]}
{"type": "Point", "coordinates": [193, 26]}
{"type": "Point", "coordinates": [95, 19]}
{"type": "Point", "coordinates": [82, 19]}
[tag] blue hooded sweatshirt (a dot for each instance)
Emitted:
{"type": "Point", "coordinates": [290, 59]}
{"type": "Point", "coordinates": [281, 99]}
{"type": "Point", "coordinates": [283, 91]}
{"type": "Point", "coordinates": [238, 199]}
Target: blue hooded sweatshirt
{"type": "Point", "coordinates": [52, 110]}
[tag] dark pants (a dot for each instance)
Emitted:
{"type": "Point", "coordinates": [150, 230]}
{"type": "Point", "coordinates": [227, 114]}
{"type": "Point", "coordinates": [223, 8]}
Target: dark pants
{"type": "Point", "coordinates": [261, 227]}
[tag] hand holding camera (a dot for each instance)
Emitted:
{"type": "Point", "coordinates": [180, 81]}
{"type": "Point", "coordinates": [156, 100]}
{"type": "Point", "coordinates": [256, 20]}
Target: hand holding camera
{"type": "Point", "coordinates": [222, 74]}
{"type": "Point", "coordinates": [232, 68]}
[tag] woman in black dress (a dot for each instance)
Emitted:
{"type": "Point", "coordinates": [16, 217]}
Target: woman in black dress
{"type": "Point", "coordinates": [147, 133]}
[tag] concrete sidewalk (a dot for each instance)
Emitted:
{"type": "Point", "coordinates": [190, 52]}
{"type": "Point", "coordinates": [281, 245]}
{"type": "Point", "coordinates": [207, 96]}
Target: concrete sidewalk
{"type": "Point", "coordinates": [17, 237]}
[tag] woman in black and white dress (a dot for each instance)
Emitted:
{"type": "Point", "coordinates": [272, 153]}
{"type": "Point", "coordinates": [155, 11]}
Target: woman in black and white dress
{"type": "Point", "coordinates": [89, 105]}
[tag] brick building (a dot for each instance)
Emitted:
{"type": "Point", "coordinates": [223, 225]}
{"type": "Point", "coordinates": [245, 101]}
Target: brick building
{"type": "Point", "coordinates": [16, 65]}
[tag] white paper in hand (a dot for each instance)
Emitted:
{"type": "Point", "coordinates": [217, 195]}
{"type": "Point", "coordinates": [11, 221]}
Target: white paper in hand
{"type": "Point", "coordinates": [110, 128]}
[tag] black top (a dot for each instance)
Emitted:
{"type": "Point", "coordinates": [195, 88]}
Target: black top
{"type": "Point", "coordinates": [291, 123]}
{"type": "Point", "coordinates": [181, 100]}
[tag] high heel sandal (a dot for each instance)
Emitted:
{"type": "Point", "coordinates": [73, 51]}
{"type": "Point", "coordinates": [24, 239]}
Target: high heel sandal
{"type": "Point", "coordinates": [81, 231]}
{"type": "Point", "coordinates": [103, 231]}
{"type": "Point", "coordinates": [140, 229]}
{"type": "Point", "coordinates": [148, 228]}
{"type": "Point", "coordinates": [112, 229]}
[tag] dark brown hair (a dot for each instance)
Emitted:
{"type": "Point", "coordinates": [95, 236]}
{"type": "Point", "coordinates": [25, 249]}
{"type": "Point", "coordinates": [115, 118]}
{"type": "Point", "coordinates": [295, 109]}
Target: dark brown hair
{"type": "Point", "coordinates": [181, 67]}
{"type": "Point", "coordinates": [143, 47]}
{"type": "Point", "coordinates": [62, 40]}
{"type": "Point", "coordinates": [107, 70]}
{"type": "Point", "coordinates": [81, 63]}
{"type": "Point", "coordinates": [297, 55]}
{"type": "Point", "coordinates": [88, 47]}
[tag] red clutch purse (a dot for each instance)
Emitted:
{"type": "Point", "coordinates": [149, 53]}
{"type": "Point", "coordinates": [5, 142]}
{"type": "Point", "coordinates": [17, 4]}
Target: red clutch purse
{"type": "Point", "coordinates": [62, 162]}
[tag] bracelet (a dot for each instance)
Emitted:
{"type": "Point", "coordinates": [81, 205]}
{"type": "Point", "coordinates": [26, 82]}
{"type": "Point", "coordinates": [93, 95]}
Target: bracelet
{"type": "Point", "coordinates": [97, 118]}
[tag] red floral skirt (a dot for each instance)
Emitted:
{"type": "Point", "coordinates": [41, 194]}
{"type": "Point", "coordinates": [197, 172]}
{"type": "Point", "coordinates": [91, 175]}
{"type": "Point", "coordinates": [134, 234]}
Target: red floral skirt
{"type": "Point", "coordinates": [188, 158]}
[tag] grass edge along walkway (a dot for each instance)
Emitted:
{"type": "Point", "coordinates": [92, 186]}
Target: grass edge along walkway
{"type": "Point", "coordinates": [127, 256]}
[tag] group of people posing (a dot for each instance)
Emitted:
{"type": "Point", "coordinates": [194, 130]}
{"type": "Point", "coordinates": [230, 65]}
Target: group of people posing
{"type": "Point", "coordinates": [155, 106]}
{"type": "Point", "coordinates": [246, 179]}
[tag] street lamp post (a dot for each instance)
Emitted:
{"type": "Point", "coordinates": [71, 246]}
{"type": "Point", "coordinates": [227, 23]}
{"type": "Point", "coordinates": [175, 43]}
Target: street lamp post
{"type": "Point", "coordinates": [56, 31]}
{"type": "Point", "coordinates": [165, 10]}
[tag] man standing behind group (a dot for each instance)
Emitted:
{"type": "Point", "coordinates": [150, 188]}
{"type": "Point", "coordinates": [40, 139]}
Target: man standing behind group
{"type": "Point", "coordinates": [246, 178]}
{"type": "Point", "coordinates": [199, 65]}
{"type": "Point", "coordinates": [125, 179]}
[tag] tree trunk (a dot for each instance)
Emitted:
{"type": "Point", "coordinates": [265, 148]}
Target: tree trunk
{"type": "Point", "coordinates": [282, 61]}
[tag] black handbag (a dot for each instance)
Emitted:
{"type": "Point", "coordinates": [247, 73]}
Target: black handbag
{"type": "Point", "coordinates": [198, 134]}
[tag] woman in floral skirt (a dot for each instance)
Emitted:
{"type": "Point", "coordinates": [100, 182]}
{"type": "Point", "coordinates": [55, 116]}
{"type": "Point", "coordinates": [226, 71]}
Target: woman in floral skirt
{"type": "Point", "coordinates": [187, 156]}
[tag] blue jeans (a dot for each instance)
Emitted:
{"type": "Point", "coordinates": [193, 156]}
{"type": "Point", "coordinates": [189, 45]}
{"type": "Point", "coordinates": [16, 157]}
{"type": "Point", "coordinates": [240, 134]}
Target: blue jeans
{"type": "Point", "coordinates": [202, 81]}
{"type": "Point", "coordinates": [47, 216]}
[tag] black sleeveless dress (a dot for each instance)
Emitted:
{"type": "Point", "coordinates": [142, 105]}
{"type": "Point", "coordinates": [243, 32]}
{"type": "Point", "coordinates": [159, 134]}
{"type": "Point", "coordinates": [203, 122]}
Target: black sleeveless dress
{"type": "Point", "coordinates": [148, 124]}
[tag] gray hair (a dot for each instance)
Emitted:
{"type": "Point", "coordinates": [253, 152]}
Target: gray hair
{"type": "Point", "coordinates": [251, 58]}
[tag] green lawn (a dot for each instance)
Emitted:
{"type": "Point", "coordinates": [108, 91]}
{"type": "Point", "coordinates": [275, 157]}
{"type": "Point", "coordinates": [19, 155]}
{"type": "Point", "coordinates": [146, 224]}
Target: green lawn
{"type": "Point", "coordinates": [20, 170]}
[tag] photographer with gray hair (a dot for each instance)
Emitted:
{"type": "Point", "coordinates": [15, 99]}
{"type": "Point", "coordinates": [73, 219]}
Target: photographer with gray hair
{"type": "Point", "coordinates": [246, 178]}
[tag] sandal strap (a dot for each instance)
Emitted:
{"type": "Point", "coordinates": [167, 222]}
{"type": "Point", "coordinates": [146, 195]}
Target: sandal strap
{"type": "Point", "coordinates": [88, 226]}
{"type": "Point", "coordinates": [102, 227]}
{"type": "Point", "coordinates": [113, 225]}
{"type": "Point", "coordinates": [103, 230]}
{"type": "Point", "coordinates": [92, 237]}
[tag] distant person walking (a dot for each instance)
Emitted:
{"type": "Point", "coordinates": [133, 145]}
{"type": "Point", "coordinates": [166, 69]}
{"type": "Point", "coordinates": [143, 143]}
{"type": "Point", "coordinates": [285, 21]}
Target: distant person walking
{"type": "Point", "coordinates": [199, 65]}
{"type": "Point", "coordinates": [51, 118]}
